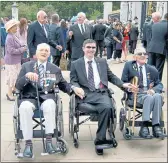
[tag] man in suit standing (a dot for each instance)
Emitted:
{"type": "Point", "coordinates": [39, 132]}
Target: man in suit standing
{"type": "Point", "coordinates": [30, 73]}
{"type": "Point", "coordinates": [98, 35]}
{"type": "Point", "coordinates": [157, 46]}
{"type": "Point", "coordinates": [38, 33]}
{"type": "Point", "coordinates": [78, 33]}
{"type": "Point", "coordinates": [92, 75]}
{"type": "Point", "coordinates": [56, 37]}
{"type": "Point", "coordinates": [149, 95]}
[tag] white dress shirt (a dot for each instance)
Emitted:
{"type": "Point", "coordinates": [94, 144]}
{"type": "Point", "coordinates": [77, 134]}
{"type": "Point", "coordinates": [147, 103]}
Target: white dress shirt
{"type": "Point", "coordinates": [144, 74]}
{"type": "Point", "coordinates": [95, 71]}
{"type": "Point", "coordinates": [79, 25]}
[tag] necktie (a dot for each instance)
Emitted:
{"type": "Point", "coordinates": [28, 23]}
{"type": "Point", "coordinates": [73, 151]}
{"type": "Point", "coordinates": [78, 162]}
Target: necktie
{"type": "Point", "coordinates": [140, 77]}
{"type": "Point", "coordinates": [82, 29]}
{"type": "Point", "coordinates": [41, 74]}
{"type": "Point", "coordinates": [91, 76]}
{"type": "Point", "coordinates": [44, 29]}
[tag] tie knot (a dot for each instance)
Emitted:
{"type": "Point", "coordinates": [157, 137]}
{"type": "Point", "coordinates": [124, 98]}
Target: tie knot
{"type": "Point", "coordinates": [90, 62]}
{"type": "Point", "coordinates": [140, 67]}
{"type": "Point", "coordinates": [41, 66]}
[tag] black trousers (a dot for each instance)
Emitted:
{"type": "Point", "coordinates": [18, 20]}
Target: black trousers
{"type": "Point", "coordinates": [56, 60]}
{"type": "Point", "coordinates": [101, 104]}
{"type": "Point", "coordinates": [100, 47]}
{"type": "Point", "coordinates": [157, 60]}
{"type": "Point", "coordinates": [117, 54]}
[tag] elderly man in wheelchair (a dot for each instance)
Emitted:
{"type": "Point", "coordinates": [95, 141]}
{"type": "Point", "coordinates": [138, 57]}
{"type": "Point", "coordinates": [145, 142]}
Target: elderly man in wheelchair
{"type": "Point", "coordinates": [92, 75]}
{"type": "Point", "coordinates": [148, 94]}
{"type": "Point", "coordinates": [38, 93]}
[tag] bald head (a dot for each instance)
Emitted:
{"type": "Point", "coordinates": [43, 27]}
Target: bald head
{"type": "Point", "coordinates": [156, 16]}
{"type": "Point", "coordinates": [42, 17]}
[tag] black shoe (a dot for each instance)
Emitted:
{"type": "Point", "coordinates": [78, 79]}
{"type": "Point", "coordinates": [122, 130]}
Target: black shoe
{"type": "Point", "coordinates": [99, 151]}
{"type": "Point", "coordinates": [103, 142]}
{"type": "Point", "coordinates": [157, 132]}
{"type": "Point", "coordinates": [28, 151]}
{"type": "Point", "coordinates": [49, 148]}
{"type": "Point", "coordinates": [144, 132]}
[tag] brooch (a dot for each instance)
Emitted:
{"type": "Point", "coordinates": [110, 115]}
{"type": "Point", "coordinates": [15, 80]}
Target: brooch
{"type": "Point", "coordinates": [135, 67]}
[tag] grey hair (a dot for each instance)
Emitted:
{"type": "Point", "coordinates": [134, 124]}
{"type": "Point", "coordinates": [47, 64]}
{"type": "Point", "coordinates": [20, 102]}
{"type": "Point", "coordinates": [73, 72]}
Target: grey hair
{"type": "Point", "coordinates": [43, 45]}
{"type": "Point", "coordinates": [81, 13]}
{"type": "Point", "coordinates": [41, 12]}
{"type": "Point", "coordinates": [55, 18]}
{"type": "Point", "coordinates": [88, 41]}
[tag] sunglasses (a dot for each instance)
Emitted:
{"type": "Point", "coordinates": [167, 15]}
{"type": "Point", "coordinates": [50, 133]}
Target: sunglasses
{"type": "Point", "coordinates": [89, 47]}
{"type": "Point", "coordinates": [140, 54]}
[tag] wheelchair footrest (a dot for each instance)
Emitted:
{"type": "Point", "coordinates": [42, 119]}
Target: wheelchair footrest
{"type": "Point", "coordinates": [139, 123]}
{"type": "Point", "coordinates": [36, 134]}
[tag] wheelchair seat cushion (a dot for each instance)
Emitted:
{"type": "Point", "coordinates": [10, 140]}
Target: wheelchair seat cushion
{"type": "Point", "coordinates": [130, 103]}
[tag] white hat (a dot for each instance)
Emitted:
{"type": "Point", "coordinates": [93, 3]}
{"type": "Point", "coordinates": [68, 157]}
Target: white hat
{"type": "Point", "coordinates": [10, 24]}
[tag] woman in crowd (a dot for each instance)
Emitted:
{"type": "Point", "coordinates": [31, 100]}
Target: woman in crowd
{"type": "Point", "coordinates": [118, 38]}
{"type": "Point", "coordinates": [14, 49]}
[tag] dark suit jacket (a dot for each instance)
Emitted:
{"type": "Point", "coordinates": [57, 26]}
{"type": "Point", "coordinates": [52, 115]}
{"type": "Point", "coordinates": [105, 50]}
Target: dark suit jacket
{"type": "Point", "coordinates": [35, 36]}
{"type": "Point", "coordinates": [134, 33]}
{"type": "Point", "coordinates": [78, 39]}
{"type": "Point", "coordinates": [55, 38]}
{"type": "Point", "coordinates": [98, 31]}
{"type": "Point", "coordinates": [28, 89]}
{"type": "Point", "coordinates": [131, 70]}
{"type": "Point", "coordinates": [158, 42]}
{"type": "Point", "coordinates": [149, 32]}
{"type": "Point", "coordinates": [78, 76]}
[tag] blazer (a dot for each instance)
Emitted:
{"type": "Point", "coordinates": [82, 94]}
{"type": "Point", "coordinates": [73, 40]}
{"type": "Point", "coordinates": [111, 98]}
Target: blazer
{"type": "Point", "coordinates": [14, 50]}
{"type": "Point", "coordinates": [78, 76]}
{"type": "Point", "coordinates": [78, 39]}
{"type": "Point", "coordinates": [55, 38]}
{"type": "Point", "coordinates": [158, 41]}
{"type": "Point", "coordinates": [131, 70]}
{"type": "Point", "coordinates": [134, 33]}
{"type": "Point", "coordinates": [28, 88]}
{"type": "Point", "coordinates": [98, 31]}
{"type": "Point", "coordinates": [35, 36]}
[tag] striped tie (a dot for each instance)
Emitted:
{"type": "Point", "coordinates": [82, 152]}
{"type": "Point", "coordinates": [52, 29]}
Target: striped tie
{"type": "Point", "coordinates": [91, 76]}
{"type": "Point", "coordinates": [41, 74]}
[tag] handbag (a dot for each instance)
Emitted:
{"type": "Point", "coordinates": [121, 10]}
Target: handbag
{"type": "Point", "coordinates": [107, 41]}
{"type": "Point", "coordinates": [118, 46]}
{"type": "Point", "coordinates": [63, 63]}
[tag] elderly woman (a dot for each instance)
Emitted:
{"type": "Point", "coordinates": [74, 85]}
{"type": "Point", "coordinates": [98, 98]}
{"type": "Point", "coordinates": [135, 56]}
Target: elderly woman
{"type": "Point", "coordinates": [14, 49]}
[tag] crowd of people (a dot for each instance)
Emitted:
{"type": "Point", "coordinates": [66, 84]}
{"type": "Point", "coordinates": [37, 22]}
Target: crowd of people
{"type": "Point", "coordinates": [82, 43]}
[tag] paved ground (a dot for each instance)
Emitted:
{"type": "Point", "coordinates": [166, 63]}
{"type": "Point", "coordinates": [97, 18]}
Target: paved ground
{"type": "Point", "coordinates": [127, 151]}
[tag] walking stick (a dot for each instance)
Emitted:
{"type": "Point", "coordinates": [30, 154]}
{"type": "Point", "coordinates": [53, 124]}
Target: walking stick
{"type": "Point", "coordinates": [135, 82]}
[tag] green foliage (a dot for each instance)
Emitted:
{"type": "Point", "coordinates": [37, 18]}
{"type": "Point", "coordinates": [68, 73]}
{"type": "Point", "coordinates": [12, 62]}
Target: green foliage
{"type": "Point", "coordinates": [65, 9]}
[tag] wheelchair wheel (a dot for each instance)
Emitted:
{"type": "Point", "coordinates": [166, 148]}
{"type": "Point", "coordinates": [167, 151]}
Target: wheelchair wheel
{"type": "Point", "coordinates": [122, 118]}
{"type": "Point", "coordinates": [63, 146]}
{"type": "Point", "coordinates": [71, 115]}
{"type": "Point", "coordinates": [17, 147]}
{"type": "Point", "coordinates": [15, 117]}
{"type": "Point", "coordinates": [114, 114]}
{"type": "Point", "coordinates": [60, 117]}
{"type": "Point", "coordinates": [76, 143]}
{"type": "Point", "coordinates": [126, 134]}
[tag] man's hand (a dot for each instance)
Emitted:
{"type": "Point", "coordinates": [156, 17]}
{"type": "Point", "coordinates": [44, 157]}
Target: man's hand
{"type": "Point", "coordinates": [79, 92]}
{"type": "Point", "coordinates": [32, 76]}
{"type": "Point", "coordinates": [59, 47]}
{"type": "Point", "coordinates": [131, 87]}
{"type": "Point", "coordinates": [151, 92]}
{"type": "Point", "coordinates": [70, 34]}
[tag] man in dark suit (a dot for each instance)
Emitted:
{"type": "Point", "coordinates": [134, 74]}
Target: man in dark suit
{"type": "Point", "coordinates": [92, 75]}
{"type": "Point", "coordinates": [157, 46]}
{"type": "Point", "coordinates": [98, 35]}
{"type": "Point", "coordinates": [38, 33]}
{"type": "Point", "coordinates": [78, 33]}
{"type": "Point", "coordinates": [31, 73]}
{"type": "Point", "coordinates": [56, 37]}
{"type": "Point", "coordinates": [149, 95]}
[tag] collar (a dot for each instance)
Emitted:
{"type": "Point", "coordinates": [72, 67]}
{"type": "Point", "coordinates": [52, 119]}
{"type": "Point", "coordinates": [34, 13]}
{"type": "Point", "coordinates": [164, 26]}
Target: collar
{"type": "Point", "coordinates": [40, 24]}
{"type": "Point", "coordinates": [86, 60]}
{"type": "Point", "coordinates": [140, 65]}
{"type": "Point", "coordinates": [44, 64]}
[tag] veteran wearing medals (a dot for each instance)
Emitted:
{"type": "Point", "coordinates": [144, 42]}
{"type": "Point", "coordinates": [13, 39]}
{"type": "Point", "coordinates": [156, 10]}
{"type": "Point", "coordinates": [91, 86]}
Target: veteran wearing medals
{"type": "Point", "coordinates": [149, 92]}
{"type": "Point", "coordinates": [32, 73]}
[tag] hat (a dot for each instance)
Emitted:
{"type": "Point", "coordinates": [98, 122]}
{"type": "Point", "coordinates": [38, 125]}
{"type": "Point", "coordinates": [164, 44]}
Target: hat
{"type": "Point", "coordinates": [10, 24]}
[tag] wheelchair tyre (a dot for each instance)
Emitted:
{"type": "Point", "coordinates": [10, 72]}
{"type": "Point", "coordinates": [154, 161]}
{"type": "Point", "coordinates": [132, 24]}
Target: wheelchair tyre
{"type": "Point", "coordinates": [63, 146]}
{"type": "Point", "coordinates": [60, 117]}
{"type": "Point", "coordinates": [115, 114]}
{"type": "Point", "coordinates": [71, 115]}
{"type": "Point", "coordinates": [115, 144]}
{"type": "Point", "coordinates": [122, 118]}
{"type": "Point", "coordinates": [126, 134]}
{"type": "Point", "coordinates": [76, 143]}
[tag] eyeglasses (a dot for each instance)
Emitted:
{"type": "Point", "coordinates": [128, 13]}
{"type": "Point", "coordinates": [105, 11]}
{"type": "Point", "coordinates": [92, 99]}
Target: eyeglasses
{"type": "Point", "coordinates": [89, 47]}
{"type": "Point", "coordinates": [140, 54]}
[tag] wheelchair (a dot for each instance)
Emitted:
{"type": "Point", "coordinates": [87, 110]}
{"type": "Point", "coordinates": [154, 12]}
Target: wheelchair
{"type": "Point", "coordinates": [129, 115]}
{"type": "Point", "coordinates": [61, 144]}
{"type": "Point", "coordinates": [74, 122]}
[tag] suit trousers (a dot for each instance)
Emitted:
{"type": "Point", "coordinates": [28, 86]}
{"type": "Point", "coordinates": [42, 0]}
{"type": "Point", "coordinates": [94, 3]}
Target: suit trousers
{"type": "Point", "coordinates": [56, 60]}
{"type": "Point", "coordinates": [151, 104]}
{"type": "Point", "coordinates": [100, 47]}
{"type": "Point", "coordinates": [157, 60]}
{"type": "Point", "coordinates": [26, 113]}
